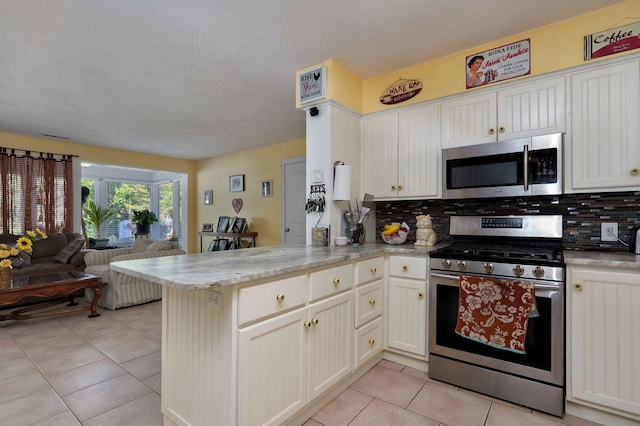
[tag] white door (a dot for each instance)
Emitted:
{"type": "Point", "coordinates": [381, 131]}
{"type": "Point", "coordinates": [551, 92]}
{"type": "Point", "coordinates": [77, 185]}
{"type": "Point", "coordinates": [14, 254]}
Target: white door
{"type": "Point", "coordinates": [294, 221]}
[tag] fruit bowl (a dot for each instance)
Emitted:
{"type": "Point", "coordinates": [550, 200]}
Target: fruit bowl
{"type": "Point", "coordinates": [397, 237]}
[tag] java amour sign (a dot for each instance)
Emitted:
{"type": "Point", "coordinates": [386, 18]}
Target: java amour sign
{"type": "Point", "coordinates": [609, 42]}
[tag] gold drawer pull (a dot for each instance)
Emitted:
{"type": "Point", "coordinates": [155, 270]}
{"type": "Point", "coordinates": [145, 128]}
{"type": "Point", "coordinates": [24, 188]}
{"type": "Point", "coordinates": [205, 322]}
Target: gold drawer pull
{"type": "Point", "coordinates": [400, 188]}
{"type": "Point", "coordinates": [492, 131]}
{"type": "Point", "coordinates": [336, 281]}
{"type": "Point", "coordinates": [315, 321]}
{"type": "Point", "coordinates": [405, 268]}
{"type": "Point", "coordinates": [502, 129]}
{"type": "Point", "coordinates": [372, 342]}
{"type": "Point", "coordinates": [280, 297]}
{"type": "Point", "coordinates": [372, 302]}
{"type": "Point", "coordinates": [374, 270]}
{"type": "Point", "coordinates": [307, 324]}
{"type": "Point", "coordinates": [578, 286]}
{"type": "Point", "coordinates": [393, 187]}
{"type": "Point", "coordinates": [420, 295]}
{"type": "Point", "coordinates": [635, 171]}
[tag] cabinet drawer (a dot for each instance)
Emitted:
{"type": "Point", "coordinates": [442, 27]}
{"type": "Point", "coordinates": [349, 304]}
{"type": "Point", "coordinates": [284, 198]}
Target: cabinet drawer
{"type": "Point", "coordinates": [369, 270]}
{"type": "Point", "coordinates": [368, 341]}
{"type": "Point", "coordinates": [330, 281]}
{"type": "Point", "coordinates": [267, 299]}
{"type": "Point", "coordinates": [369, 302]}
{"type": "Point", "coordinates": [408, 267]}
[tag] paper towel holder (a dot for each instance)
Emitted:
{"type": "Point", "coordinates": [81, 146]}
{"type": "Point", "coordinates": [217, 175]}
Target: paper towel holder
{"type": "Point", "coordinates": [341, 183]}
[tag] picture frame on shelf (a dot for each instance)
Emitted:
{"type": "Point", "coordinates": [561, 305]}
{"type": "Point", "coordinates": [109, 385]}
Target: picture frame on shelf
{"type": "Point", "coordinates": [207, 227]}
{"type": "Point", "coordinates": [223, 224]}
{"type": "Point", "coordinates": [223, 244]}
{"type": "Point", "coordinates": [239, 225]}
{"type": "Point", "coordinates": [236, 183]}
{"type": "Point", "coordinates": [208, 197]}
{"type": "Point", "coordinates": [214, 245]}
{"type": "Point", "coordinates": [267, 186]}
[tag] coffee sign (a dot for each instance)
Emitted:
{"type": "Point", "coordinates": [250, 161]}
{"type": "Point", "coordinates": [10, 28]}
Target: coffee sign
{"type": "Point", "coordinates": [609, 42]}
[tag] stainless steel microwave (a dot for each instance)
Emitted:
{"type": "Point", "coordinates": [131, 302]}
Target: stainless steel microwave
{"type": "Point", "coordinates": [518, 167]}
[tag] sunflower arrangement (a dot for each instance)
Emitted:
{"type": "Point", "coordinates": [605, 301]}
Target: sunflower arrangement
{"type": "Point", "coordinates": [21, 250]}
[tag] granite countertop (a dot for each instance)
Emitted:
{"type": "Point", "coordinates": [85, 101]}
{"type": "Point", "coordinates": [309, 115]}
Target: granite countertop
{"type": "Point", "coordinates": [209, 270]}
{"type": "Point", "coordinates": [600, 258]}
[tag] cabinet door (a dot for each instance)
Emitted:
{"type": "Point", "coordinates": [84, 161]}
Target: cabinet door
{"type": "Point", "coordinates": [407, 307]}
{"type": "Point", "coordinates": [369, 303]}
{"type": "Point", "coordinates": [604, 340]}
{"type": "Point", "coordinates": [532, 109]}
{"type": "Point", "coordinates": [330, 342]}
{"type": "Point", "coordinates": [380, 155]}
{"type": "Point", "coordinates": [469, 120]}
{"type": "Point", "coordinates": [605, 129]}
{"type": "Point", "coordinates": [272, 369]}
{"type": "Point", "coordinates": [419, 153]}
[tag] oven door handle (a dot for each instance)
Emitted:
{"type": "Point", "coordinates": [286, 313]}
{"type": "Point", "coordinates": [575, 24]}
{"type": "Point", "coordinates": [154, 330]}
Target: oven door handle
{"type": "Point", "coordinates": [537, 286]}
{"type": "Point", "coordinates": [449, 277]}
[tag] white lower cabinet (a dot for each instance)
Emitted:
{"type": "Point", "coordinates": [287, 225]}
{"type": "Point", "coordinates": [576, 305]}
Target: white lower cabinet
{"type": "Point", "coordinates": [407, 305]}
{"type": "Point", "coordinates": [604, 339]}
{"type": "Point", "coordinates": [287, 361]}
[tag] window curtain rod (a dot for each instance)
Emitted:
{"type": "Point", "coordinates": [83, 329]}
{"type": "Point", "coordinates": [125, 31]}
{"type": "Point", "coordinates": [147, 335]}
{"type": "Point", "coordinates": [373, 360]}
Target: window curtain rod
{"type": "Point", "coordinates": [28, 153]}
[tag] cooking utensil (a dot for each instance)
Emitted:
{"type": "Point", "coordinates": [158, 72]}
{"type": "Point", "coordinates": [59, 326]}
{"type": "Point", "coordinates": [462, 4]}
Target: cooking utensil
{"type": "Point", "coordinates": [634, 245]}
{"type": "Point", "coordinates": [368, 201]}
{"type": "Point", "coordinates": [363, 212]}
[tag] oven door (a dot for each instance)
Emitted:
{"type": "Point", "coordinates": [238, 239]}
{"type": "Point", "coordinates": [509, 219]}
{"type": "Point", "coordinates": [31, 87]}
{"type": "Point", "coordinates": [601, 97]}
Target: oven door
{"type": "Point", "coordinates": [544, 344]}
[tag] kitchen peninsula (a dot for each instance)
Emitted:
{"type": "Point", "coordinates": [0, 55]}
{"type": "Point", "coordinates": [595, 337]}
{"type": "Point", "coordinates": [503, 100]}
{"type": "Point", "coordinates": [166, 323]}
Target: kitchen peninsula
{"type": "Point", "coordinates": [267, 334]}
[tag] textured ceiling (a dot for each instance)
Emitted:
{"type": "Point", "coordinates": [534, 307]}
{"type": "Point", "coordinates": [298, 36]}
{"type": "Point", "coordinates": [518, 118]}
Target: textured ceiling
{"type": "Point", "coordinates": [201, 78]}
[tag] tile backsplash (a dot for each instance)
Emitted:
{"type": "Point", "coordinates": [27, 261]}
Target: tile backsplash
{"type": "Point", "coordinates": [582, 215]}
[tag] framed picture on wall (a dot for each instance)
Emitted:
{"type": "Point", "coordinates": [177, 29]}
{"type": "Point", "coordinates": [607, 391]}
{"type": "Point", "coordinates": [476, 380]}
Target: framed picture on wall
{"type": "Point", "coordinates": [208, 197]}
{"type": "Point", "coordinates": [267, 187]}
{"type": "Point", "coordinates": [236, 183]}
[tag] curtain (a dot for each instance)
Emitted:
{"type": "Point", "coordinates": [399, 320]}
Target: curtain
{"type": "Point", "coordinates": [35, 192]}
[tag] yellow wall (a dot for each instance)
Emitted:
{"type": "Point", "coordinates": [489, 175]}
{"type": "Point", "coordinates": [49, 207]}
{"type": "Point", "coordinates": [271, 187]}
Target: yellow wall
{"type": "Point", "coordinates": [553, 47]}
{"type": "Point", "coordinates": [262, 213]}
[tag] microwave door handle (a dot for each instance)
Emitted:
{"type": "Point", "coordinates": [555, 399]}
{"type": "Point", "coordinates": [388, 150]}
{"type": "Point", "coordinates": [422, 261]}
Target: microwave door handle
{"type": "Point", "coordinates": [526, 168]}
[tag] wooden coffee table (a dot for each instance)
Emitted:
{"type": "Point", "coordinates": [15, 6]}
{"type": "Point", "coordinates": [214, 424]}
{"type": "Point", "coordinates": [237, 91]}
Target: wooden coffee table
{"type": "Point", "coordinates": [57, 288]}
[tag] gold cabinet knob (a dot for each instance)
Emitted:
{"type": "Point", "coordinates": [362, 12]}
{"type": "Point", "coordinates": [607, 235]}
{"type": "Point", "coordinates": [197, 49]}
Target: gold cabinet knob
{"type": "Point", "coordinates": [315, 321]}
{"type": "Point", "coordinates": [307, 324]}
{"type": "Point", "coordinates": [405, 268]}
{"type": "Point", "coordinates": [577, 286]}
{"type": "Point", "coordinates": [374, 270]}
{"type": "Point", "coordinates": [635, 171]}
{"type": "Point", "coordinates": [400, 188]}
{"type": "Point", "coordinates": [393, 187]}
{"type": "Point", "coordinates": [336, 281]}
{"type": "Point", "coordinates": [280, 297]}
{"type": "Point", "coordinates": [502, 129]}
{"type": "Point", "coordinates": [420, 295]}
{"type": "Point", "coordinates": [372, 342]}
{"type": "Point", "coordinates": [372, 302]}
{"type": "Point", "coordinates": [492, 131]}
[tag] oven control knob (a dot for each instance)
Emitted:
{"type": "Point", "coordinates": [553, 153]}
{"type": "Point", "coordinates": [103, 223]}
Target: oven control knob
{"type": "Point", "coordinates": [538, 272]}
{"type": "Point", "coordinates": [446, 263]}
{"type": "Point", "coordinates": [518, 270]}
{"type": "Point", "coordinates": [488, 268]}
{"type": "Point", "coordinates": [462, 265]}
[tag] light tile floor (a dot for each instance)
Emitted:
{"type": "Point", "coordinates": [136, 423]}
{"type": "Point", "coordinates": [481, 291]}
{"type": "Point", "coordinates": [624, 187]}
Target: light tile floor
{"type": "Point", "coordinates": [72, 370]}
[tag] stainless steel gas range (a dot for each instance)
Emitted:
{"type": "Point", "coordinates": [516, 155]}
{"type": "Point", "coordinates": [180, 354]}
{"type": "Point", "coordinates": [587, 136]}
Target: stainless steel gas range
{"type": "Point", "coordinates": [516, 248]}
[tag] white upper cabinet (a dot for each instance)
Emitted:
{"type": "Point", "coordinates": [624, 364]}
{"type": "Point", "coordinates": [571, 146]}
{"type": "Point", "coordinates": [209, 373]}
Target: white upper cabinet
{"type": "Point", "coordinates": [605, 129]}
{"type": "Point", "coordinates": [401, 154]}
{"type": "Point", "coordinates": [515, 111]}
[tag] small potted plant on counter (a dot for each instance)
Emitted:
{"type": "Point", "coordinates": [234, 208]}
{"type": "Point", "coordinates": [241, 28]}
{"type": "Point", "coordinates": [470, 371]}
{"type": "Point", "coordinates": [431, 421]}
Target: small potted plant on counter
{"type": "Point", "coordinates": [143, 220]}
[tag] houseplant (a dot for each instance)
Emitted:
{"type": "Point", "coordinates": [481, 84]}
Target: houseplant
{"type": "Point", "coordinates": [143, 220]}
{"type": "Point", "coordinates": [95, 215]}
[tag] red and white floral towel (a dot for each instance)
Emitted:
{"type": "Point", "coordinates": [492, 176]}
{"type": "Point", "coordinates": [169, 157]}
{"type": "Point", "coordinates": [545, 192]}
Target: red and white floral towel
{"type": "Point", "coordinates": [495, 311]}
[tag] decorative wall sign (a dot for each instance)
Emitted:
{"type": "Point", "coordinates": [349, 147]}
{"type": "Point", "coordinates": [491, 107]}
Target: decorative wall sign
{"type": "Point", "coordinates": [610, 42]}
{"type": "Point", "coordinates": [401, 90]}
{"type": "Point", "coordinates": [499, 64]}
{"type": "Point", "coordinates": [312, 84]}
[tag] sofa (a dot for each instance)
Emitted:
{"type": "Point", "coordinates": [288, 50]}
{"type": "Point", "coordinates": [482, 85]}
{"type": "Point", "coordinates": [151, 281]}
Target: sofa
{"type": "Point", "coordinates": [60, 252]}
{"type": "Point", "coordinates": [120, 290]}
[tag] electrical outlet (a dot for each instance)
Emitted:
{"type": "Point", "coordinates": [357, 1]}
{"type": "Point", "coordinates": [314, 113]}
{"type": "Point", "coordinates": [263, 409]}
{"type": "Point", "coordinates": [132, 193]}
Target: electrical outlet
{"type": "Point", "coordinates": [214, 299]}
{"type": "Point", "coordinates": [609, 231]}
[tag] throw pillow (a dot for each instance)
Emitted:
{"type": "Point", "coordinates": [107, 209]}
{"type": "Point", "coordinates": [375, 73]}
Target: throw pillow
{"type": "Point", "coordinates": [72, 248]}
{"type": "Point", "coordinates": [160, 245]}
{"type": "Point", "coordinates": [140, 245]}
